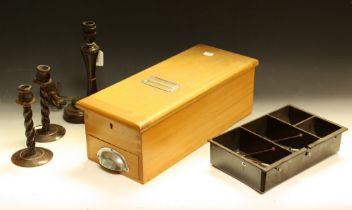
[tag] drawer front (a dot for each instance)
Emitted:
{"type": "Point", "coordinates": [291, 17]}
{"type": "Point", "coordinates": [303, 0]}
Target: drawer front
{"type": "Point", "coordinates": [93, 146]}
{"type": "Point", "coordinates": [112, 132]}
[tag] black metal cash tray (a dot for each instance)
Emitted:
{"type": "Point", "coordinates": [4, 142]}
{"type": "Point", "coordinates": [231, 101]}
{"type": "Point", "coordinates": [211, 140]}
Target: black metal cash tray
{"type": "Point", "coordinates": [275, 147]}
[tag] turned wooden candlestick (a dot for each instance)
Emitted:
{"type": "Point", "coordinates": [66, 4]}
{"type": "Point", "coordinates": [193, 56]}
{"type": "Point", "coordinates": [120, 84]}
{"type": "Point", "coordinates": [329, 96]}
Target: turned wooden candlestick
{"type": "Point", "coordinates": [89, 51]}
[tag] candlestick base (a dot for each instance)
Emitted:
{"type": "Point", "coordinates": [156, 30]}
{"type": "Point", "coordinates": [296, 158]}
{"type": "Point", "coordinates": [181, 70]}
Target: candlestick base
{"type": "Point", "coordinates": [40, 157]}
{"type": "Point", "coordinates": [73, 115]}
{"type": "Point", "coordinates": [54, 133]}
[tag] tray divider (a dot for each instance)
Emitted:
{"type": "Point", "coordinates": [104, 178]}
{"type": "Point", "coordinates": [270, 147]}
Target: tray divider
{"type": "Point", "coordinates": [295, 125]}
{"type": "Point", "coordinates": [266, 139]}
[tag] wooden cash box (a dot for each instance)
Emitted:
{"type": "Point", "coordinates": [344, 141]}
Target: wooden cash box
{"type": "Point", "coordinates": [149, 121]}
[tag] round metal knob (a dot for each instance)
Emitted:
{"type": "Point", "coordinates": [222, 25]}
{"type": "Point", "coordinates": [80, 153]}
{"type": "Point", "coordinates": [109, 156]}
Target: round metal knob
{"type": "Point", "coordinates": [112, 160]}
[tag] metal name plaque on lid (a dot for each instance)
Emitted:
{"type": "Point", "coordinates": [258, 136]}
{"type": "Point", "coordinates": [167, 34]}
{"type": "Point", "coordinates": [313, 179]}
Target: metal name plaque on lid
{"type": "Point", "coordinates": [161, 84]}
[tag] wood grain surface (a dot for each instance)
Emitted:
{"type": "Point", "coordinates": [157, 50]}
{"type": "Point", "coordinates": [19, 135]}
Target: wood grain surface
{"type": "Point", "coordinates": [155, 128]}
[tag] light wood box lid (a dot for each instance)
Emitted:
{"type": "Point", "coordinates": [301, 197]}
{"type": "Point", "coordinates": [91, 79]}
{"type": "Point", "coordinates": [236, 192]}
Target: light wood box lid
{"type": "Point", "coordinates": [195, 70]}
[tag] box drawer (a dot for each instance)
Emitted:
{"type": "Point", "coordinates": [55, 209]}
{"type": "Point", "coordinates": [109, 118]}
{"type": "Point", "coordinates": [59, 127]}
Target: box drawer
{"type": "Point", "coordinates": [94, 144]}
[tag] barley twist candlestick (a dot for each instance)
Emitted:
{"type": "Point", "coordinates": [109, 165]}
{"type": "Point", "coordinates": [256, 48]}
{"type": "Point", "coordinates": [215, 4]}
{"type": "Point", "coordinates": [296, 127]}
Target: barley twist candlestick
{"type": "Point", "coordinates": [47, 132]}
{"type": "Point", "coordinates": [30, 156]}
